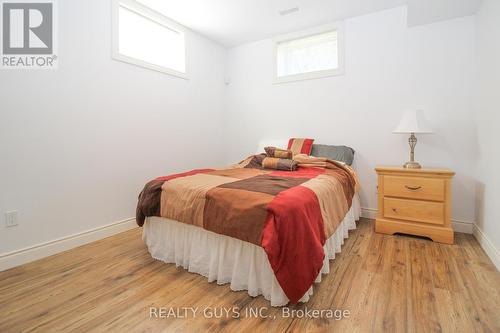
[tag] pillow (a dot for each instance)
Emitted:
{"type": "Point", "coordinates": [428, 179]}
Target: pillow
{"type": "Point", "coordinates": [280, 153]}
{"type": "Point", "coordinates": [300, 145]}
{"type": "Point", "coordinates": [279, 164]}
{"type": "Point", "coordinates": [338, 153]}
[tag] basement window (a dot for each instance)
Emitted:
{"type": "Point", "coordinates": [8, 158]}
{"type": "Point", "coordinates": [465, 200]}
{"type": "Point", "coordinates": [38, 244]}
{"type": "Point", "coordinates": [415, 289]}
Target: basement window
{"type": "Point", "coordinates": [309, 54]}
{"type": "Point", "coordinates": [144, 37]}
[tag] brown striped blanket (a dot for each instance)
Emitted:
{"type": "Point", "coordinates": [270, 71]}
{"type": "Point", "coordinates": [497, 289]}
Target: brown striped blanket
{"type": "Point", "coordinates": [290, 214]}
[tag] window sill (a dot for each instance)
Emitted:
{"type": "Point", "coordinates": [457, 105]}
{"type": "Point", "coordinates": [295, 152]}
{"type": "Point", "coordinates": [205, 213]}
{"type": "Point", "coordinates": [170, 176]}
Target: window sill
{"type": "Point", "coordinates": [147, 65]}
{"type": "Point", "coordinates": [308, 76]}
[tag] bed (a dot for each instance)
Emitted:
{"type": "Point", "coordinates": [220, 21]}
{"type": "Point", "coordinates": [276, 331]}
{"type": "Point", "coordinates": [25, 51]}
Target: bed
{"type": "Point", "coordinates": [269, 232]}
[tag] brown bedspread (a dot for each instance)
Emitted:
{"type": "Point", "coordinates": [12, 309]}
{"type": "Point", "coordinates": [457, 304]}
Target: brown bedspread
{"type": "Point", "coordinates": [288, 213]}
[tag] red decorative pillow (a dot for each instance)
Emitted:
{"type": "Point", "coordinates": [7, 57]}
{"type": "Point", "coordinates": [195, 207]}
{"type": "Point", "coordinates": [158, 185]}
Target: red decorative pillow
{"type": "Point", "coordinates": [300, 145]}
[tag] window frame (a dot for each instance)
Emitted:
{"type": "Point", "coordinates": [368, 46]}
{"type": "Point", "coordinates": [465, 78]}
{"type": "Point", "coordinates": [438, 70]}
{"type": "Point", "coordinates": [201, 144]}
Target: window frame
{"type": "Point", "coordinates": [340, 70]}
{"type": "Point", "coordinates": [156, 17]}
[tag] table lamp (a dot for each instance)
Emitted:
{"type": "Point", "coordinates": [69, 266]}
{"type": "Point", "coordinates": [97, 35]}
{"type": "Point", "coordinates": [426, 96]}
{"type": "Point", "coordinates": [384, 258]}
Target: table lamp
{"type": "Point", "coordinates": [413, 122]}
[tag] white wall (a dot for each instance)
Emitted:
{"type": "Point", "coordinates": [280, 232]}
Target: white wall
{"type": "Point", "coordinates": [488, 121]}
{"type": "Point", "coordinates": [78, 143]}
{"type": "Point", "coordinates": [389, 67]}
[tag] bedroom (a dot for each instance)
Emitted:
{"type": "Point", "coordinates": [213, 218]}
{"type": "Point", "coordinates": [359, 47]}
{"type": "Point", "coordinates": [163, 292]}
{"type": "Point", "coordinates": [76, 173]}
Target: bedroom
{"type": "Point", "coordinates": [86, 125]}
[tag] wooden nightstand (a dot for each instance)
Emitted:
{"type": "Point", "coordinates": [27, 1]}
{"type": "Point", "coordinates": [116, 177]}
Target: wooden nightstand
{"type": "Point", "coordinates": [415, 201]}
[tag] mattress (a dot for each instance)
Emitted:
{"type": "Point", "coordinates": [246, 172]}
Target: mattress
{"type": "Point", "coordinates": [227, 260]}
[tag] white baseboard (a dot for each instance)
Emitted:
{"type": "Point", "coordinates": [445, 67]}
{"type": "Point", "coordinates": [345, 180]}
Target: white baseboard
{"type": "Point", "coordinates": [28, 254]}
{"type": "Point", "coordinates": [462, 226]}
{"type": "Point", "coordinates": [39, 251]}
{"type": "Point", "coordinates": [369, 213]}
{"type": "Point", "coordinates": [487, 246]}
{"type": "Point", "coordinates": [458, 226]}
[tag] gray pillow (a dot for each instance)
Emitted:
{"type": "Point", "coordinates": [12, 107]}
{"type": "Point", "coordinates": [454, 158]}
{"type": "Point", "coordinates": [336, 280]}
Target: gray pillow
{"type": "Point", "coordinates": [338, 153]}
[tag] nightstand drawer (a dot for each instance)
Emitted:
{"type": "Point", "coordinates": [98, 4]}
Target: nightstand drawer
{"type": "Point", "coordinates": [414, 188]}
{"type": "Point", "coordinates": [414, 210]}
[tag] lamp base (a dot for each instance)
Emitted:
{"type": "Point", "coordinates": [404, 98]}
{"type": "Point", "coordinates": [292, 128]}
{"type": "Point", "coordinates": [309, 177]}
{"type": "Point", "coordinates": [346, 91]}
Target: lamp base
{"type": "Point", "coordinates": [412, 165]}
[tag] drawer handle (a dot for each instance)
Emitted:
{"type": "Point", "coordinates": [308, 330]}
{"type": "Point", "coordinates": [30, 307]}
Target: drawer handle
{"type": "Point", "coordinates": [413, 188]}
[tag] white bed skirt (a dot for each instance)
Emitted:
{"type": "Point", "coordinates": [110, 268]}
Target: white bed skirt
{"type": "Point", "coordinates": [229, 260]}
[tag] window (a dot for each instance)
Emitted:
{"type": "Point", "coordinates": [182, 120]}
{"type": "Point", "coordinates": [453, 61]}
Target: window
{"type": "Point", "coordinates": [146, 38]}
{"type": "Point", "coordinates": [309, 54]}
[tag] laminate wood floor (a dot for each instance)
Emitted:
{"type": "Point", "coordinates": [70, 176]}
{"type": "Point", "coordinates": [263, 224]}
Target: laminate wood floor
{"type": "Point", "coordinates": [387, 284]}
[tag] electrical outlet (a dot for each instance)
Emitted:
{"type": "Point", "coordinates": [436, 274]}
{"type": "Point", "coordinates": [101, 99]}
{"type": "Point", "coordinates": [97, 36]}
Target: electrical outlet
{"type": "Point", "coordinates": [11, 218]}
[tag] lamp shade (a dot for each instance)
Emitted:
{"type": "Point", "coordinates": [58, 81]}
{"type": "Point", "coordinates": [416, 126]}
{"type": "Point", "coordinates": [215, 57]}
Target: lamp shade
{"type": "Point", "coordinates": [413, 121]}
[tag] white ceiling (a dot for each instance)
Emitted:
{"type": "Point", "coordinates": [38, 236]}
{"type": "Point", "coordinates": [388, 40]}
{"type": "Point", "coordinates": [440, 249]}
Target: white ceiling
{"type": "Point", "coordinates": [234, 22]}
